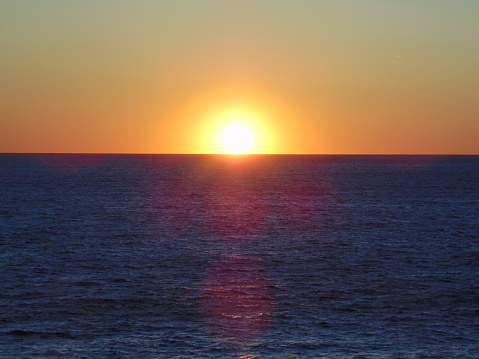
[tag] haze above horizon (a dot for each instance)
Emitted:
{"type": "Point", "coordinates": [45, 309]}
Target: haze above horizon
{"type": "Point", "coordinates": [303, 77]}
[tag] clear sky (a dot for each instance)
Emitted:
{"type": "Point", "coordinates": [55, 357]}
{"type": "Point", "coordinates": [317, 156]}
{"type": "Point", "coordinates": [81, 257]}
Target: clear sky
{"type": "Point", "coordinates": [307, 76]}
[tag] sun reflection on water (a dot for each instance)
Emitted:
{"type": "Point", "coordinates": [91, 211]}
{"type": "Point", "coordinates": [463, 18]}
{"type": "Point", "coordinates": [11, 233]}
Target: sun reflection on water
{"type": "Point", "coordinates": [236, 301]}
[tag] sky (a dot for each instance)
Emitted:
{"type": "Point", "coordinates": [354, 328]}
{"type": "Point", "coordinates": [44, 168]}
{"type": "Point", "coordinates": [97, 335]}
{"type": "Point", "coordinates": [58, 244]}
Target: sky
{"type": "Point", "coordinates": [307, 76]}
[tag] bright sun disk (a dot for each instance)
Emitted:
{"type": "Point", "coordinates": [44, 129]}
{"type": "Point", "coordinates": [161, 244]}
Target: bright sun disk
{"type": "Point", "coordinates": [236, 138]}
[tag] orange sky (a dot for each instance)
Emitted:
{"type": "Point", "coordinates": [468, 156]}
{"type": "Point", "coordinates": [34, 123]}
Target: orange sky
{"type": "Point", "coordinates": [121, 76]}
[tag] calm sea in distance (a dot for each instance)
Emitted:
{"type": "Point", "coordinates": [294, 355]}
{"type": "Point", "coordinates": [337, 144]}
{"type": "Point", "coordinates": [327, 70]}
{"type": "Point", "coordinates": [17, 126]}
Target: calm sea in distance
{"type": "Point", "coordinates": [261, 256]}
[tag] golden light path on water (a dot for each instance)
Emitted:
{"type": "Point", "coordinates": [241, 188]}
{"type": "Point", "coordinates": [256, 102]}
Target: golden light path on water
{"type": "Point", "coordinates": [236, 299]}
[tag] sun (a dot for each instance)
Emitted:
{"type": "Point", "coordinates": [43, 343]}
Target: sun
{"type": "Point", "coordinates": [234, 130]}
{"type": "Point", "coordinates": [236, 138]}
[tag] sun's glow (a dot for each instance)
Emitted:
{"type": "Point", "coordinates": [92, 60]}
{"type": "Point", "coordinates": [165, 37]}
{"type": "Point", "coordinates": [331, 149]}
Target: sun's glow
{"type": "Point", "coordinates": [236, 138]}
{"type": "Point", "coordinates": [236, 130]}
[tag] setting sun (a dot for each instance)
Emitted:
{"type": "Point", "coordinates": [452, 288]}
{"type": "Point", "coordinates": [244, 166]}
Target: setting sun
{"type": "Point", "coordinates": [237, 130]}
{"type": "Point", "coordinates": [236, 138]}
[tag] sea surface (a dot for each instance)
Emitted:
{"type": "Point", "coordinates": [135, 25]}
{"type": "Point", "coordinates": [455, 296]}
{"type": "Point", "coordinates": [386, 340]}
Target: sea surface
{"type": "Point", "coordinates": [265, 256]}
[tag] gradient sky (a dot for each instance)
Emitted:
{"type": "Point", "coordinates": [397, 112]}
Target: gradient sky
{"type": "Point", "coordinates": [333, 76]}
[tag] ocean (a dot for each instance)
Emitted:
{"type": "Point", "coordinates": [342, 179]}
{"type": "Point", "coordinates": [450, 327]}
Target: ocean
{"type": "Point", "coordinates": [258, 256]}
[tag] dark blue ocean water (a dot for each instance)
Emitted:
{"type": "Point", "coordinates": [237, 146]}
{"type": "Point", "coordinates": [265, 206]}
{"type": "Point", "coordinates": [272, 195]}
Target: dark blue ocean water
{"type": "Point", "coordinates": [202, 256]}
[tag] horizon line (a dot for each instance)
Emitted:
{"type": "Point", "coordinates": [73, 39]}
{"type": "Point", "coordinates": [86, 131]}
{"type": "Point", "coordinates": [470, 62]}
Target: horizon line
{"type": "Point", "coordinates": [242, 154]}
